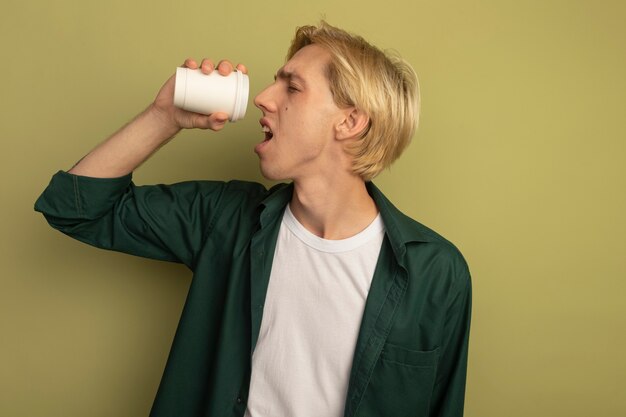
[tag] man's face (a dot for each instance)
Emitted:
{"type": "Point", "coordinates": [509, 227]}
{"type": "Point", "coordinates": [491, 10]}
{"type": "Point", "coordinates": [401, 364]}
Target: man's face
{"type": "Point", "coordinates": [299, 119]}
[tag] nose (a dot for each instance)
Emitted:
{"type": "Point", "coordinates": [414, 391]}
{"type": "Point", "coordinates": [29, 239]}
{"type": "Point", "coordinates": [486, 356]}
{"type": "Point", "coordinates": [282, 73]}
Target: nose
{"type": "Point", "coordinates": [264, 100]}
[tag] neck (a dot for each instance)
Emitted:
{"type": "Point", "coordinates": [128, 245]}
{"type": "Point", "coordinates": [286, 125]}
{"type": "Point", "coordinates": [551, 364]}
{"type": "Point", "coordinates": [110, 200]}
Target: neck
{"type": "Point", "coordinates": [333, 208]}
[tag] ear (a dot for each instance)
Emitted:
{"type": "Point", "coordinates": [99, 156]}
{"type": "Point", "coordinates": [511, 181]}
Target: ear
{"type": "Point", "coordinates": [352, 125]}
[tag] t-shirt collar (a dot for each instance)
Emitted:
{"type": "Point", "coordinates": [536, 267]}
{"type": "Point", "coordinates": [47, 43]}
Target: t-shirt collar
{"type": "Point", "coordinates": [400, 228]}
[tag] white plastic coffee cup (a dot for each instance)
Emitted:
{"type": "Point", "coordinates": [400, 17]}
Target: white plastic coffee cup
{"type": "Point", "coordinates": [206, 94]}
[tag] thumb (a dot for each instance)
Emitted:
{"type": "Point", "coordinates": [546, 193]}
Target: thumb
{"type": "Point", "coordinates": [215, 121]}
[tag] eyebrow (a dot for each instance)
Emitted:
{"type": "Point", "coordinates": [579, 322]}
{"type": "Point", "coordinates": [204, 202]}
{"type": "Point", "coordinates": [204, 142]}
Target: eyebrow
{"type": "Point", "coordinates": [289, 75]}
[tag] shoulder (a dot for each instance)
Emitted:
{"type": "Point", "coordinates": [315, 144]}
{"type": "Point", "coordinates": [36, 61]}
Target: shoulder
{"type": "Point", "coordinates": [253, 192]}
{"type": "Point", "coordinates": [425, 252]}
{"type": "Point", "coordinates": [438, 249]}
{"type": "Point", "coordinates": [220, 190]}
{"type": "Point", "coordinates": [437, 266]}
{"type": "Point", "coordinates": [407, 232]}
{"type": "Point", "coordinates": [201, 196]}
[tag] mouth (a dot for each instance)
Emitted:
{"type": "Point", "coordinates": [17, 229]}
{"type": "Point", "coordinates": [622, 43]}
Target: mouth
{"type": "Point", "coordinates": [266, 130]}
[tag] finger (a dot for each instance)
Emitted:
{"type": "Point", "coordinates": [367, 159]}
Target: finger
{"type": "Point", "coordinates": [207, 66]}
{"type": "Point", "coordinates": [225, 67]}
{"type": "Point", "coordinates": [215, 121]}
{"type": "Point", "coordinates": [190, 63]}
{"type": "Point", "coordinates": [218, 120]}
{"type": "Point", "coordinates": [242, 68]}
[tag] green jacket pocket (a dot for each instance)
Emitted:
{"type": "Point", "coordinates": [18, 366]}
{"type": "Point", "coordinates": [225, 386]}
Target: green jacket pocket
{"type": "Point", "coordinates": [401, 384]}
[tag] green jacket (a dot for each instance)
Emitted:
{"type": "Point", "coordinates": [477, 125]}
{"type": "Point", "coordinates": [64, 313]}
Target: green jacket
{"type": "Point", "coordinates": [411, 352]}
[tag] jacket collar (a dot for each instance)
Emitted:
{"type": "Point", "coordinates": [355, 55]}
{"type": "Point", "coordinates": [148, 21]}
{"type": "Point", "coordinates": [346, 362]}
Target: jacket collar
{"type": "Point", "coordinates": [274, 204]}
{"type": "Point", "coordinates": [400, 228]}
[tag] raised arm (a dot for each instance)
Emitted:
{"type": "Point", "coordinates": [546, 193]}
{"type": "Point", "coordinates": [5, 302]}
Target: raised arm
{"type": "Point", "coordinates": [135, 142]}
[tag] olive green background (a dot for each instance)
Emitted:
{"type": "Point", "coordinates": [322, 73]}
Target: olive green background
{"type": "Point", "coordinates": [520, 160]}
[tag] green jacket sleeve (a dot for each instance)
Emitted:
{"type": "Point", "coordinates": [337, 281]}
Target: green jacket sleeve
{"type": "Point", "coordinates": [160, 222]}
{"type": "Point", "coordinates": [449, 390]}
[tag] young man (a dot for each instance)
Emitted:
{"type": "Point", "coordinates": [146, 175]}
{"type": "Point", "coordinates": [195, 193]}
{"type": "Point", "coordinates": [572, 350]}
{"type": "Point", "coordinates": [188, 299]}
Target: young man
{"type": "Point", "coordinates": [314, 298]}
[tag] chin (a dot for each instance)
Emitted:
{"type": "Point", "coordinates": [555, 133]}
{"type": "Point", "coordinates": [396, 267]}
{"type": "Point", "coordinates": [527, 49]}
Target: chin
{"type": "Point", "coordinates": [272, 174]}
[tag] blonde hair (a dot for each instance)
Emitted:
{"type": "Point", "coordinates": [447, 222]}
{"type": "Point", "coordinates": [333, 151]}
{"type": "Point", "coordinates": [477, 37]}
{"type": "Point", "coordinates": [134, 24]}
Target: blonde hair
{"type": "Point", "coordinates": [381, 85]}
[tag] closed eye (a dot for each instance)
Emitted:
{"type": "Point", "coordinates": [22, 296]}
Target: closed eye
{"type": "Point", "coordinates": [287, 77]}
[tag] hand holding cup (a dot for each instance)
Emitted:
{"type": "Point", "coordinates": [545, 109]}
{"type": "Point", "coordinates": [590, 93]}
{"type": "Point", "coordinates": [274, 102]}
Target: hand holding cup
{"type": "Point", "coordinates": [214, 118]}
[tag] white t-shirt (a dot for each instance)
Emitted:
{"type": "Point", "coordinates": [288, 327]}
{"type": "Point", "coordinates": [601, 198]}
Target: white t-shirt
{"type": "Point", "coordinates": [313, 309]}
